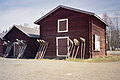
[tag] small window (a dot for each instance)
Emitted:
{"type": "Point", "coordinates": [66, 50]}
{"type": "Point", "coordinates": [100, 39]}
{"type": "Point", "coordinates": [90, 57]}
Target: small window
{"type": "Point", "coordinates": [63, 25]}
{"type": "Point", "coordinates": [96, 43]}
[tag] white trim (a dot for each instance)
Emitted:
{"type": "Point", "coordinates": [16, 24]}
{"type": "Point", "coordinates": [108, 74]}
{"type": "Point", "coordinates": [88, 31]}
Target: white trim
{"type": "Point", "coordinates": [61, 6]}
{"type": "Point", "coordinates": [70, 8]}
{"type": "Point", "coordinates": [57, 46]}
{"type": "Point", "coordinates": [59, 27]}
{"type": "Point", "coordinates": [97, 42]}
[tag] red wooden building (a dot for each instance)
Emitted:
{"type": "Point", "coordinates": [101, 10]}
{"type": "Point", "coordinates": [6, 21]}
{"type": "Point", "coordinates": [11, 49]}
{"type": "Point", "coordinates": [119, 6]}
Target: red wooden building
{"type": "Point", "coordinates": [1, 44]}
{"type": "Point", "coordinates": [30, 35]}
{"type": "Point", "coordinates": [64, 23]}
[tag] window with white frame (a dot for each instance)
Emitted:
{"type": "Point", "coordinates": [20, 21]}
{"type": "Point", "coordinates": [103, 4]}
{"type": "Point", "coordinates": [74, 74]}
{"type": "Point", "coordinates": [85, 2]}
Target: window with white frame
{"type": "Point", "coordinates": [96, 42]}
{"type": "Point", "coordinates": [63, 25]}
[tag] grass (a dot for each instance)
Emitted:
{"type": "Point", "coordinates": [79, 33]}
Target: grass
{"type": "Point", "coordinates": [110, 58]}
{"type": "Point", "coordinates": [98, 59]}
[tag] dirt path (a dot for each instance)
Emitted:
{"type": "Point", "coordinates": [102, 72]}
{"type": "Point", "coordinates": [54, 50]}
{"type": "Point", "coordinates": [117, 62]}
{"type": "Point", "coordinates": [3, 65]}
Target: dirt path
{"type": "Point", "coordinates": [13, 69]}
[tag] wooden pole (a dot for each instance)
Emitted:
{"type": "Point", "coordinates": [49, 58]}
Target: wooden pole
{"type": "Point", "coordinates": [77, 43]}
{"type": "Point", "coordinates": [39, 49]}
{"type": "Point", "coordinates": [81, 50]}
{"type": "Point", "coordinates": [46, 46]}
{"type": "Point", "coordinates": [84, 51]}
{"type": "Point", "coordinates": [71, 47]}
{"type": "Point", "coordinates": [82, 47]}
{"type": "Point", "coordinates": [73, 51]}
{"type": "Point", "coordinates": [36, 57]}
{"type": "Point", "coordinates": [76, 52]}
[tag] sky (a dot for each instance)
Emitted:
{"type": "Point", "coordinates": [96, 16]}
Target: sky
{"type": "Point", "coordinates": [28, 11]}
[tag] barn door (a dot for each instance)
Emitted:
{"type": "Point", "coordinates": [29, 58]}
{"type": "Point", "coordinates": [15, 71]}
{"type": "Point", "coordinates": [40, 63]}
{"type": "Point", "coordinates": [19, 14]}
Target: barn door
{"type": "Point", "coordinates": [62, 46]}
{"type": "Point", "coordinates": [16, 49]}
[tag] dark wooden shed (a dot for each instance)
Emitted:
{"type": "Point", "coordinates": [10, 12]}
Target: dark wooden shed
{"type": "Point", "coordinates": [1, 44]}
{"type": "Point", "coordinates": [64, 23]}
{"type": "Point", "coordinates": [30, 35]}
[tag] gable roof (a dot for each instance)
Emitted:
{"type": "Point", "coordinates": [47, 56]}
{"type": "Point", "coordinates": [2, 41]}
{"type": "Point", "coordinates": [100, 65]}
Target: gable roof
{"type": "Point", "coordinates": [30, 32]}
{"type": "Point", "coordinates": [69, 8]}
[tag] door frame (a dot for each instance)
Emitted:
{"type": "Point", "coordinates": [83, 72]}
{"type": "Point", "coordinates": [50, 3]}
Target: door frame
{"type": "Point", "coordinates": [14, 48]}
{"type": "Point", "coordinates": [65, 37]}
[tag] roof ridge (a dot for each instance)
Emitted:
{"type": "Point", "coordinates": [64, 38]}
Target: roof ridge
{"type": "Point", "coordinates": [26, 30]}
{"type": "Point", "coordinates": [24, 26]}
{"type": "Point", "coordinates": [76, 9]}
{"type": "Point", "coordinates": [69, 8]}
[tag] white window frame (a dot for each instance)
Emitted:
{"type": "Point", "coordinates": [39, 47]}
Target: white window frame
{"type": "Point", "coordinates": [66, 37]}
{"type": "Point", "coordinates": [58, 26]}
{"type": "Point", "coordinates": [97, 44]}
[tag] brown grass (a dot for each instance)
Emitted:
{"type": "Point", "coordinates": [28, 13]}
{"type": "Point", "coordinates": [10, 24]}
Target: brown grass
{"type": "Point", "coordinates": [98, 59]}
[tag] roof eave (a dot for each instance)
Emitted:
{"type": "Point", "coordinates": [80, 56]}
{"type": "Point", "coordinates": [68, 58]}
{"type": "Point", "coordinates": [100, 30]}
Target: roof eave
{"type": "Point", "coordinates": [101, 19]}
{"type": "Point", "coordinates": [19, 29]}
{"type": "Point", "coordinates": [8, 31]}
{"type": "Point", "coordinates": [77, 10]}
{"type": "Point", "coordinates": [37, 21]}
{"type": "Point", "coordinates": [61, 6]}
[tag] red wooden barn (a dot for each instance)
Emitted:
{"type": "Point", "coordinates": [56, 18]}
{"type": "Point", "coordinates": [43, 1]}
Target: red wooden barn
{"type": "Point", "coordinates": [1, 44]}
{"type": "Point", "coordinates": [64, 23]}
{"type": "Point", "coordinates": [30, 35]}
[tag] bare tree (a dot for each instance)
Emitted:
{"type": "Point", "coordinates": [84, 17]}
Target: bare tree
{"type": "Point", "coordinates": [116, 24]}
{"type": "Point", "coordinates": [112, 32]}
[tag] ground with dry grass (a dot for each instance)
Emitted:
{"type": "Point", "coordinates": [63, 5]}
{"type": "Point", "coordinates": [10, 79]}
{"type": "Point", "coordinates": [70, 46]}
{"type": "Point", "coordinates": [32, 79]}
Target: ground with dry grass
{"type": "Point", "coordinates": [23, 69]}
{"type": "Point", "coordinates": [109, 58]}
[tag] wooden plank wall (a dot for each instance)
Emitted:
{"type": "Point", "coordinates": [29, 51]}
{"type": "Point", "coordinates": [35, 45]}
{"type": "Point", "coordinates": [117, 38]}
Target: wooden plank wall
{"type": "Point", "coordinates": [100, 29]}
{"type": "Point", "coordinates": [32, 44]}
{"type": "Point", "coordinates": [1, 47]}
{"type": "Point", "coordinates": [78, 27]}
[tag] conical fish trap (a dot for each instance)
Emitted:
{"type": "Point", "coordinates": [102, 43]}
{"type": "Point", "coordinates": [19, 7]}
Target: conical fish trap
{"type": "Point", "coordinates": [77, 43]}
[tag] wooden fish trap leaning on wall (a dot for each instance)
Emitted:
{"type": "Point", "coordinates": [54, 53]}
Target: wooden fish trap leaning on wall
{"type": "Point", "coordinates": [9, 46]}
{"type": "Point", "coordinates": [21, 48]}
{"type": "Point", "coordinates": [43, 45]}
{"type": "Point", "coordinates": [18, 47]}
{"type": "Point", "coordinates": [75, 46]}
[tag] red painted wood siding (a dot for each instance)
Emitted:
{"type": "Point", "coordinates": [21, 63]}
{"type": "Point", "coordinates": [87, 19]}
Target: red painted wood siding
{"type": "Point", "coordinates": [32, 44]}
{"type": "Point", "coordinates": [78, 24]}
{"type": "Point", "coordinates": [99, 28]}
{"type": "Point", "coordinates": [1, 47]}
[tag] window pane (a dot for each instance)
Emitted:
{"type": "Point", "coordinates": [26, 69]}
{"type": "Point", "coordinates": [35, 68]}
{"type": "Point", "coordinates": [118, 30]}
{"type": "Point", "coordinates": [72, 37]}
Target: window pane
{"type": "Point", "coordinates": [62, 25]}
{"type": "Point", "coordinates": [97, 43]}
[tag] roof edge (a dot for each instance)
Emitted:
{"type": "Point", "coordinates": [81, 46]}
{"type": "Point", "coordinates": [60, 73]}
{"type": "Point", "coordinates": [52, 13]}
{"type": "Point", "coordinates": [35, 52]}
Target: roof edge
{"type": "Point", "coordinates": [100, 19]}
{"type": "Point", "coordinates": [69, 8]}
{"type": "Point", "coordinates": [17, 28]}
{"type": "Point", "coordinates": [61, 6]}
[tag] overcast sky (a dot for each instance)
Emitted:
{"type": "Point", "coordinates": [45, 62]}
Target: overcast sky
{"type": "Point", "coordinates": [27, 11]}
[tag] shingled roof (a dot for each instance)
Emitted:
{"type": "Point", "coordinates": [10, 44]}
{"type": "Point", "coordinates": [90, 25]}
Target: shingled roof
{"type": "Point", "coordinates": [69, 8]}
{"type": "Point", "coordinates": [30, 32]}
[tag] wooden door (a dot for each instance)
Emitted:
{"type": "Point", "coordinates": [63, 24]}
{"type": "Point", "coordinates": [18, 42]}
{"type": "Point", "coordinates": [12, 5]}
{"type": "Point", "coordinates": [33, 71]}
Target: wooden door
{"type": "Point", "coordinates": [16, 49]}
{"type": "Point", "coordinates": [62, 46]}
